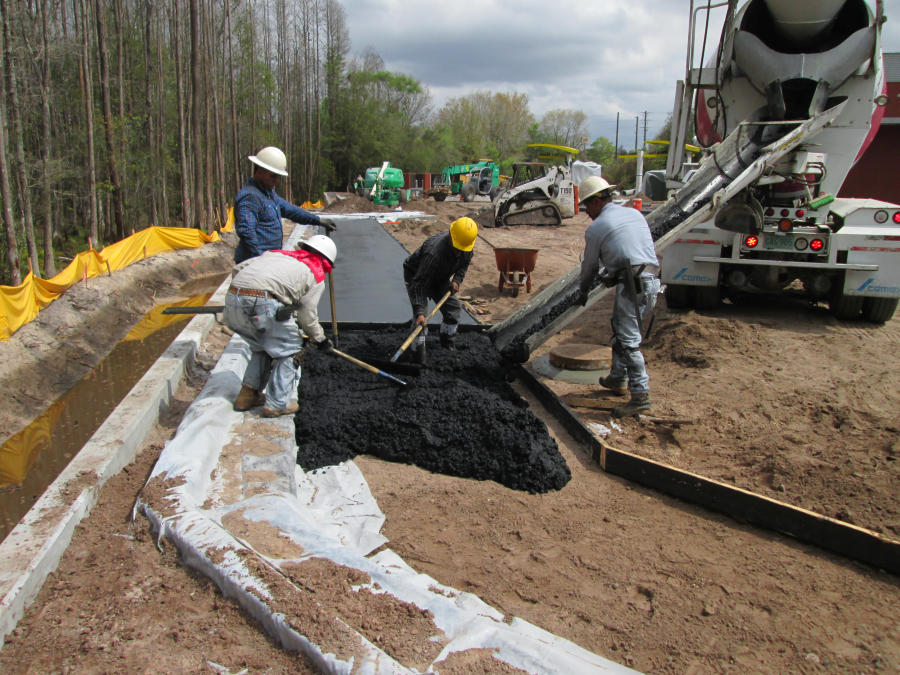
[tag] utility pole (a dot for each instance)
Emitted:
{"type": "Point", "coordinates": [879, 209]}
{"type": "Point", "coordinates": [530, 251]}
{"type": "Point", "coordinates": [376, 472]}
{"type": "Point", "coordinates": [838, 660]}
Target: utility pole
{"type": "Point", "coordinates": [645, 129]}
{"type": "Point", "coordinates": [636, 119]}
{"type": "Point", "coordinates": [616, 153]}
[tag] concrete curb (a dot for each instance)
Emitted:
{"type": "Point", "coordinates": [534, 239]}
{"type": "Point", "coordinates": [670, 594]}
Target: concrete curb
{"type": "Point", "coordinates": [34, 547]}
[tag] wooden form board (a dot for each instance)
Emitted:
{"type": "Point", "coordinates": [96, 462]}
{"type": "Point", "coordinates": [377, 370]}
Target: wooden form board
{"type": "Point", "coordinates": [827, 533]}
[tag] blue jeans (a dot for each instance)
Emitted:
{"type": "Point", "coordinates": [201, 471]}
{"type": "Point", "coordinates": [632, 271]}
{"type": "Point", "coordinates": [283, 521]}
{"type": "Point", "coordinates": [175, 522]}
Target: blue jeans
{"type": "Point", "coordinates": [627, 360]}
{"type": "Point", "coordinates": [272, 344]}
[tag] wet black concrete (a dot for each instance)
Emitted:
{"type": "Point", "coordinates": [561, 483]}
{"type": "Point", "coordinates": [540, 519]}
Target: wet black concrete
{"type": "Point", "coordinates": [459, 416]}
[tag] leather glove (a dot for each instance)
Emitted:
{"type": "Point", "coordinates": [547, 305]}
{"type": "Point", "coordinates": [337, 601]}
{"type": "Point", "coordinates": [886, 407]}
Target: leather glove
{"type": "Point", "coordinates": [328, 224]}
{"type": "Point", "coordinates": [453, 287]}
{"type": "Point", "coordinates": [326, 346]}
{"type": "Point", "coordinates": [582, 298]}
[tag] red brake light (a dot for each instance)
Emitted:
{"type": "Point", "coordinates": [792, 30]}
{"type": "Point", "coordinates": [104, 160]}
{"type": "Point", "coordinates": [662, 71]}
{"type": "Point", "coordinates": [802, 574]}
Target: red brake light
{"type": "Point", "coordinates": [897, 217]}
{"type": "Point", "coordinates": [784, 213]}
{"type": "Point", "coordinates": [800, 213]}
{"type": "Point", "coordinates": [817, 244]}
{"type": "Point", "coordinates": [770, 211]}
{"type": "Point", "coordinates": [751, 241]}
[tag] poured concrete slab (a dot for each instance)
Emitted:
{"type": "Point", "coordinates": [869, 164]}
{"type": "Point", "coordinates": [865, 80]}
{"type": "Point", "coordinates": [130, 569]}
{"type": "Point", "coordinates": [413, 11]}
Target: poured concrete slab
{"type": "Point", "coordinates": [368, 277]}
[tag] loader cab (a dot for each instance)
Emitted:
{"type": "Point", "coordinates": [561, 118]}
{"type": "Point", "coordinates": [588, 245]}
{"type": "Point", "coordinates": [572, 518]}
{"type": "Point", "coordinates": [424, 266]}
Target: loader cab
{"type": "Point", "coordinates": [524, 172]}
{"type": "Point", "coordinates": [483, 179]}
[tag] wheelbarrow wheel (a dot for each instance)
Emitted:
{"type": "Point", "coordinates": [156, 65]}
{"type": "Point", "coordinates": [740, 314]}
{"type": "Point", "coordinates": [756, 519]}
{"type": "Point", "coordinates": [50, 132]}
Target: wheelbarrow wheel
{"type": "Point", "coordinates": [516, 292]}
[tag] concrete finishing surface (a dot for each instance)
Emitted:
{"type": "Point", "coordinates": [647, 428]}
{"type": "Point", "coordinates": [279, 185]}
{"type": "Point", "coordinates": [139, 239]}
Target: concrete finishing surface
{"type": "Point", "coordinates": [368, 276]}
{"type": "Point", "coordinates": [459, 416]}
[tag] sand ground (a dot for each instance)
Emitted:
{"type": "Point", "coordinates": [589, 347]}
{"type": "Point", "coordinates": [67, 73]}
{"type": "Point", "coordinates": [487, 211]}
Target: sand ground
{"type": "Point", "coordinates": [783, 400]}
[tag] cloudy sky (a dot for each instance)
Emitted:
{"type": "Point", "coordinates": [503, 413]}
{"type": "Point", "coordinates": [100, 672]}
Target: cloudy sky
{"type": "Point", "coordinates": [598, 56]}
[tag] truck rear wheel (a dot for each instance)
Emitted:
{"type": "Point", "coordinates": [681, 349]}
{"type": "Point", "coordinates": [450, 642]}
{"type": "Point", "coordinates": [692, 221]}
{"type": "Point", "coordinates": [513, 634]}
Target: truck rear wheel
{"type": "Point", "coordinates": [707, 297]}
{"type": "Point", "coordinates": [677, 296]}
{"type": "Point", "coordinates": [846, 307]}
{"type": "Point", "coordinates": [879, 310]}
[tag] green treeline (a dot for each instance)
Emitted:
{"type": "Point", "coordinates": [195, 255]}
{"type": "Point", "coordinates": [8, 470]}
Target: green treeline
{"type": "Point", "coordinates": [120, 114]}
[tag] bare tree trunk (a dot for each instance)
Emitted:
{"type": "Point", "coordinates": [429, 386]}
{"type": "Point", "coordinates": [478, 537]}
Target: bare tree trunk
{"type": "Point", "coordinates": [24, 190]}
{"type": "Point", "coordinates": [217, 161]}
{"type": "Point", "coordinates": [151, 137]}
{"type": "Point", "coordinates": [182, 132]}
{"type": "Point", "coordinates": [234, 128]}
{"type": "Point", "coordinates": [206, 148]}
{"type": "Point", "coordinates": [160, 94]}
{"type": "Point", "coordinates": [86, 86]}
{"type": "Point", "coordinates": [197, 140]}
{"type": "Point", "coordinates": [119, 207]}
{"type": "Point", "coordinates": [12, 246]}
{"type": "Point", "coordinates": [49, 262]}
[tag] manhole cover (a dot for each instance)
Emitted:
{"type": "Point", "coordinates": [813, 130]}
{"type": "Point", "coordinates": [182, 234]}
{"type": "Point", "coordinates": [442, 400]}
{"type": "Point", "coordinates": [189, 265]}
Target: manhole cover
{"type": "Point", "coordinates": [578, 356]}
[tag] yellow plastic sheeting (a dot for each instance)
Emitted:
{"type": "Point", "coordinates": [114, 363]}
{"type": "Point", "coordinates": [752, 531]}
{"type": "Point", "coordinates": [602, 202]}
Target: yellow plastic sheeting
{"type": "Point", "coordinates": [19, 452]}
{"type": "Point", "coordinates": [229, 221]}
{"type": "Point", "coordinates": [155, 320]}
{"type": "Point", "coordinates": [21, 304]}
{"type": "Point", "coordinates": [313, 206]}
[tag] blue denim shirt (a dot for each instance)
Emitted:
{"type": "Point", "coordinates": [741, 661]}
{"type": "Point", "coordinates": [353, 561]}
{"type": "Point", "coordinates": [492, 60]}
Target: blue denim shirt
{"type": "Point", "coordinates": [257, 220]}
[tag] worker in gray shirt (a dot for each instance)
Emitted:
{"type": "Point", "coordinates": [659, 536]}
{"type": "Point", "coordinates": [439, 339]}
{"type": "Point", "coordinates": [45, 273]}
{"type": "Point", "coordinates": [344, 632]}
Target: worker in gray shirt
{"type": "Point", "coordinates": [619, 242]}
{"type": "Point", "coordinates": [265, 293]}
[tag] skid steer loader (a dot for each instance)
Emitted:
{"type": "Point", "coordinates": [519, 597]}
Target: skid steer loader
{"type": "Point", "coordinates": [537, 194]}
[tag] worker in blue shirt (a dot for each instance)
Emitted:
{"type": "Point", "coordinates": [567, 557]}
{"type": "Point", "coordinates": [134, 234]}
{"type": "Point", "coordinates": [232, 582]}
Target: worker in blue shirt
{"type": "Point", "coordinates": [258, 209]}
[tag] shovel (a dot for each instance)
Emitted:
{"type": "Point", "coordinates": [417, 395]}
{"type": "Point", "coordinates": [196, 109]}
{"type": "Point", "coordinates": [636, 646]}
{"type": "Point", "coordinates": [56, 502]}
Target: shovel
{"type": "Point", "coordinates": [371, 369]}
{"type": "Point", "coordinates": [418, 329]}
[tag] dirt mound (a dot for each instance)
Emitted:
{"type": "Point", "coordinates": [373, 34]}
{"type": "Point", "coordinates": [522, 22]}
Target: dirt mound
{"type": "Point", "coordinates": [351, 203]}
{"type": "Point", "coordinates": [459, 416]}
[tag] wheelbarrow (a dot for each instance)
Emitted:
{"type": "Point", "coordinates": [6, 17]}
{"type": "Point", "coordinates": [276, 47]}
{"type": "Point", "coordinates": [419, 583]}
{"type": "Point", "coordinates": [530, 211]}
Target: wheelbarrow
{"type": "Point", "coordinates": [515, 265]}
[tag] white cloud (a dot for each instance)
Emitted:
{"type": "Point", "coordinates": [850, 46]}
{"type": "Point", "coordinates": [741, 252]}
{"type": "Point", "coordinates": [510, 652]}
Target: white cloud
{"type": "Point", "coordinates": [598, 56]}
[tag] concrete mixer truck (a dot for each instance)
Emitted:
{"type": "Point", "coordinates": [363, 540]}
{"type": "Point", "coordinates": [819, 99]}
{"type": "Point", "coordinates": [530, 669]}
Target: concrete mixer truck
{"type": "Point", "coordinates": [778, 66]}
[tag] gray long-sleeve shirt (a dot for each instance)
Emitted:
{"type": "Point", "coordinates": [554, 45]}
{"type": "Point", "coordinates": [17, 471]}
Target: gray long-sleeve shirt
{"type": "Point", "coordinates": [617, 234]}
{"type": "Point", "coordinates": [290, 281]}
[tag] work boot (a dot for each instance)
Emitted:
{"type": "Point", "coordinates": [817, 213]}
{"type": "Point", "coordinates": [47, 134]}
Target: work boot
{"type": "Point", "coordinates": [419, 354]}
{"type": "Point", "coordinates": [291, 408]}
{"type": "Point", "coordinates": [447, 342]}
{"type": "Point", "coordinates": [638, 403]}
{"type": "Point", "coordinates": [248, 398]}
{"type": "Point", "coordinates": [619, 387]}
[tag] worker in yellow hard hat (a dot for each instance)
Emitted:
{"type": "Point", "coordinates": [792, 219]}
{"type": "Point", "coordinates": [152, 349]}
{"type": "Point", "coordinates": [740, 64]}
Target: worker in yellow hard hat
{"type": "Point", "coordinates": [437, 266]}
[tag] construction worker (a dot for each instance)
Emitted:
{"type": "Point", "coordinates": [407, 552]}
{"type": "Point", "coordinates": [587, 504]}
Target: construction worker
{"type": "Point", "coordinates": [619, 241]}
{"type": "Point", "coordinates": [258, 209]}
{"type": "Point", "coordinates": [437, 266]}
{"type": "Point", "coordinates": [265, 293]}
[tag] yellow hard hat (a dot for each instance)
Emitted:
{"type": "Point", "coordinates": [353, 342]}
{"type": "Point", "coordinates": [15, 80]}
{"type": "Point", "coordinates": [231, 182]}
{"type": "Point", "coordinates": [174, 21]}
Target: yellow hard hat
{"type": "Point", "coordinates": [462, 233]}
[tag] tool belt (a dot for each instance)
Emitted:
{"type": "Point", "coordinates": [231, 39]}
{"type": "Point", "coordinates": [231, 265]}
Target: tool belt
{"type": "Point", "coordinates": [250, 291]}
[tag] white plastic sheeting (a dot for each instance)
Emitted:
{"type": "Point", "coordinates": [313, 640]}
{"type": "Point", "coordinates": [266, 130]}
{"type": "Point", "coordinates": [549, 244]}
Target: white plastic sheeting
{"type": "Point", "coordinates": [581, 170]}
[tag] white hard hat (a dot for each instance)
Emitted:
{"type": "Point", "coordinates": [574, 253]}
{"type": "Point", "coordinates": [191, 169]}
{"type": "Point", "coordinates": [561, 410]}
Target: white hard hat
{"type": "Point", "coordinates": [272, 159]}
{"type": "Point", "coordinates": [321, 244]}
{"type": "Point", "coordinates": [591, 186]}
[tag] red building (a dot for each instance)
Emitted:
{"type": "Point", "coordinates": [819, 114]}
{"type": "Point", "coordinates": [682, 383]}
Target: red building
{"type": "Point", "coordinates": [875, 175]}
